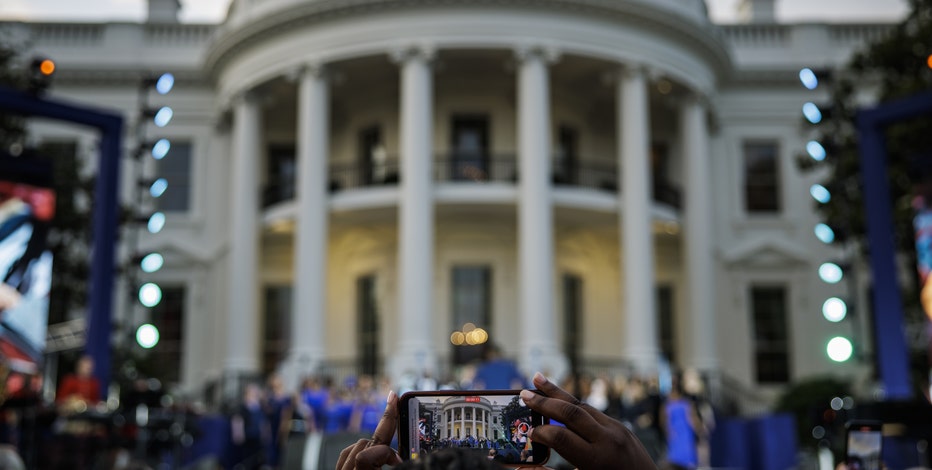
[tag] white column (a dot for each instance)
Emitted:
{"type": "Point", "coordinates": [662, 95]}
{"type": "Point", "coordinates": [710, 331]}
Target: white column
{"type": "Point", "coordinates": [700, 267]}
{"type": "Point", "coordinates": [416, 216]}
{"type": "Point", "coordinates": [309, 288]}
{"type": "Point", "coordinates": [538, 342]}
{"type": "Point", "coordinates": [243, 321]}
{"type": "Point", "coordinates": [640, 325]}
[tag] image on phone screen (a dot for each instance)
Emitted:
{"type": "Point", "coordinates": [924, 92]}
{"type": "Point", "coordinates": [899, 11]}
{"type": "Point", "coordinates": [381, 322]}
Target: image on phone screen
{"type": "Point", "coordinates": [494, 425]}
{"type": "Point", "coordinates": [864, 447]}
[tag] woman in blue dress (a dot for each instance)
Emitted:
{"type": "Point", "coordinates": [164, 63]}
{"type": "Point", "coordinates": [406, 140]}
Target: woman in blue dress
{"type": "Point", "coordinates": [680, 423]}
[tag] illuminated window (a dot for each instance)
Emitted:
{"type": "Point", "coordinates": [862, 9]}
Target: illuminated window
{"type": "Point", "coordinates": [771, 334]}
{"type": "Point", "coordinates": [472, 302]}
{"type": "Point", "coordinates": [761, 178]}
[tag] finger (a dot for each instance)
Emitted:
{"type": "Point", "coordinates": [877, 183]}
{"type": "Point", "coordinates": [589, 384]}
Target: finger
{"type": "Point", "coordinates": [565, 442]}
{"type": "Point", "coordinates": [552, 390]}
{"type": "Point", "coordinates": [350, 462]}
{"type": "Point", "coordinates": [343, 455]}
{"type": "Point", "coordinates": [573, 416]}
{"type": "Point", "coordinates": [376, 456]}
{"type": "Point", "coordinates": [386, 428]}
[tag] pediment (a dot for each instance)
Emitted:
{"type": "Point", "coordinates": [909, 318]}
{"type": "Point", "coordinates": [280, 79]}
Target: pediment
{"type": "Point", "coordinates": [764, 251]}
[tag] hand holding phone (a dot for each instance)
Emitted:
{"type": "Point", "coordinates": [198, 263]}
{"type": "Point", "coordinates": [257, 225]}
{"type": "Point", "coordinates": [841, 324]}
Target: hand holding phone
{"type": "Point", "coordinates": [492, 424]}
{"type": "Point", "coordinates": [591, 439]}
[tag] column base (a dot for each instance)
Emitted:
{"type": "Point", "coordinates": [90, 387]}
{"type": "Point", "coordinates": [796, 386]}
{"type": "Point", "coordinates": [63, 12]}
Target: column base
{"type": "Point", "coordinates": [412, 360]}
{"type": "Point", "coordinates": [547, 360]}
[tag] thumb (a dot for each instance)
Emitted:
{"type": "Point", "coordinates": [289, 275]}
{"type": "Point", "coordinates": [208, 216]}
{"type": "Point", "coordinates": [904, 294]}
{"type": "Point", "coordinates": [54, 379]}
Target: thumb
{"type": "Point", "coordinates": [376, 456]}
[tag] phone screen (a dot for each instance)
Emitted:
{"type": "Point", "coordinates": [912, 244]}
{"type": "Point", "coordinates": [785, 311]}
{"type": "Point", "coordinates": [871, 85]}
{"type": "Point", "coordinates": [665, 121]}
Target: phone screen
{"type": "Point", "coordinates": [493, 423]}
{"type": "Point", "coordinates": [864, 445]}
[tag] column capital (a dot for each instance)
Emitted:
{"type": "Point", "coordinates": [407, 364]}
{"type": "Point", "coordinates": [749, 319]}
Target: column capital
{"type": "Point", "coordinates": [314, 69]}
{"type": "Point", "coordinates": [546, 53]}
{"type": "Point", "coordinates": [402, 54]}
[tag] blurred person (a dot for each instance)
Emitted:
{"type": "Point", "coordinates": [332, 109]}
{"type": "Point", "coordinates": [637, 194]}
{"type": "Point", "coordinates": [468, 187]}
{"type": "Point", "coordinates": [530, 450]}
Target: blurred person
{"type": "Point", "coordinates": [681, 425]}
{"type": "Point", "coordinates": [598, 394]}
{"type": "Point", "coordinates": [279, 408]}
{"type": "Point", "coordinates": [496, 372]}
{"type": "Point", "coordinates": [694, 388]}
{"type": "Point", "coordinates": [638, 413]}
{"type": "Point", "coordinates": [315, 394]}
{"type": "Point", "coordinates": [250, 431]}
{"type": "Point", "coordinates": [590, 439]}
{"type": "Point", "coordinates": [80, 389]}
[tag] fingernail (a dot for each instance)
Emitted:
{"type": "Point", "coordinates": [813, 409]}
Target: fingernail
{"type": "Point", "coordinates": [391, 396]}
{"type": "Point", "coordinates": [530, 433]}
{"type": "Point", "coordinates": [526, 395]}
{"type": "Point", "coordinates": [539, 378]}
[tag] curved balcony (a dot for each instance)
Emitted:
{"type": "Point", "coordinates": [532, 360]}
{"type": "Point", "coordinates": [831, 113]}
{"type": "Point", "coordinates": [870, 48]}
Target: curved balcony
{"type": "Point", "coordinates": [470, 168]}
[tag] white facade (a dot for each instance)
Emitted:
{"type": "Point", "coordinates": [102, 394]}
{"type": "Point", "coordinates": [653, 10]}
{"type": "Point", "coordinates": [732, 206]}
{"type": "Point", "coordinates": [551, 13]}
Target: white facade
{"type": "Point", "coordinates": [628, 83]}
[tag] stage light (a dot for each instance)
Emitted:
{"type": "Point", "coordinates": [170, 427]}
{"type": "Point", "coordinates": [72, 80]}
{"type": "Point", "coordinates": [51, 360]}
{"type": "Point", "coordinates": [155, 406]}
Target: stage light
{"type": "Point", "coordinates": [163, 116]}
{"type": "Point", "coordinates": [839, 349]}
{"type": "Point", "coordinates": [815, 150]}
{"type": "Point", "coordinates": [808, 78]}
{"type": "Point", "coordinates": [156, 222]}
{"type": "Point", "coordinates": [831, 273]}
{"type": "Point", "coordinates": [834, 309]}
{"type": "Point", "coordinates": [147, 336]}
{"type": "Point", "coordinates": [160, 148]}
{"type": "Point", "coordinates": [151, 263]}
{"type": "Point", "coordinates": [820, 193]}
{"type": "Point", "coordinates": [165, 83]}
{"type": "Point", "coordinates": [812, 112]}
{"type": "Point", "coordinates": [824, 233]}
{"type": "Point", "coordinates": [158, 187]}
{"type": "Point", "coordinates": [150, 294]}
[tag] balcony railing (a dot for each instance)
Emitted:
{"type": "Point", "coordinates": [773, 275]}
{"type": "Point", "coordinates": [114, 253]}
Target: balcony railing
{"type": "Point", "coordinates": [598, 176]}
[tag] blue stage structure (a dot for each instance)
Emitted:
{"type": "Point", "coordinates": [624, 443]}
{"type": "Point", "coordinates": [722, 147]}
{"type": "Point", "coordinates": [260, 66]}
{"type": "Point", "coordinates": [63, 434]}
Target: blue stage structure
{"type": "Point", "coordinates": [106, 205]}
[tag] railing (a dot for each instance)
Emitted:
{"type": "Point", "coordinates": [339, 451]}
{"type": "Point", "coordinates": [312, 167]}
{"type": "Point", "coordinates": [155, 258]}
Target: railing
{"type": "Point", "coordinates": [355, 175]}
{"type": "Point", "coordinates": [476, 167]}
{"type": "Point", "coordinates": [472, 168]}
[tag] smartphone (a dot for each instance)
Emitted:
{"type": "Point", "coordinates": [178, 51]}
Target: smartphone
{"type": "Point", "coordinates": [864, 443]}
{"type": "Point", "coordinates": [494, 423]}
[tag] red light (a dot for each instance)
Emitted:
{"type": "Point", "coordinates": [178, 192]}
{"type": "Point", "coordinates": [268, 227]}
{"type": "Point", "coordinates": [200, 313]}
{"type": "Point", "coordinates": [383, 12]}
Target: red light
{"type": "Point", "coordinates": [472, 399]}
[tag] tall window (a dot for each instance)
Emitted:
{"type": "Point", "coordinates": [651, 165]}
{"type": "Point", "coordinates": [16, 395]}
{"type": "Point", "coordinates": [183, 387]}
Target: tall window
{"type": "Point", "coordinates": [771, 333]}
{"type": "Point", "coordinates": [276, 326]}
{"type": "Point", "coordinates": [667, 325]}
{"type": "Point", "coordinates": [472, 301]}
{"type": "Point", "coordinates": [282, 174]}
{"type": "Point", "coordinates": [761, 178]}
{"type": "Point", "coordinates": [572, 318]}
{"type": "Point", "coordinates": [567, 159]}
{"type": "Point", "coordinates": [367, 324]}
{"type": "Point", "coordinates": [176, 169]}
{"type": "Point", "coordinates": [470, 146]}
{"type": "Point", "coordinates": [168, 317]}
{"type": "Point", "coordinates": [372, 156]}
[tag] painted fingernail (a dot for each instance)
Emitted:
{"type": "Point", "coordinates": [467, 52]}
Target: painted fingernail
{"type": "Point", "coordinates": [526, 395]}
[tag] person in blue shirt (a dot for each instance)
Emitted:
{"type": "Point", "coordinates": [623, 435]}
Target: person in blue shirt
{"type": "Point", "coordinates": [498, 373]}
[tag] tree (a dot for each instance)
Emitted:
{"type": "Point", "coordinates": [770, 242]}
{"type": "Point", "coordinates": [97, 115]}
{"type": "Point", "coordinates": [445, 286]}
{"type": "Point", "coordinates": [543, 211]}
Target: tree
{"type": "Point", "coordinates": [896, 66]}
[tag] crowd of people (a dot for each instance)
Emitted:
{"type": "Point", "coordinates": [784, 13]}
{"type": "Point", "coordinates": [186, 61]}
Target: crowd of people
{"type": "Point", "coordinates": [672, 422]}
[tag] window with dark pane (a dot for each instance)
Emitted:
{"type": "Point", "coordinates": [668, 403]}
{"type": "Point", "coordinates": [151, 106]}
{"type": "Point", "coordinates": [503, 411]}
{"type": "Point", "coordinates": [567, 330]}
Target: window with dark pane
{"type": "Point", "coordinates": [761, 177]}
{"type": "Point", "coordinates": [572, 318]}
{"type": "Point", "coordinates": [276, 326]}
{"type": "Point", "coordinates": [164, 360]}
{"type": "Point", "coordinates": [771, 334]}
{"type": "Point", "coordinates": [367, 324]}
{"type": "Point", "coordinates": [176, 169]}
{"type": "Point", "coordinates": [666, 324]}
